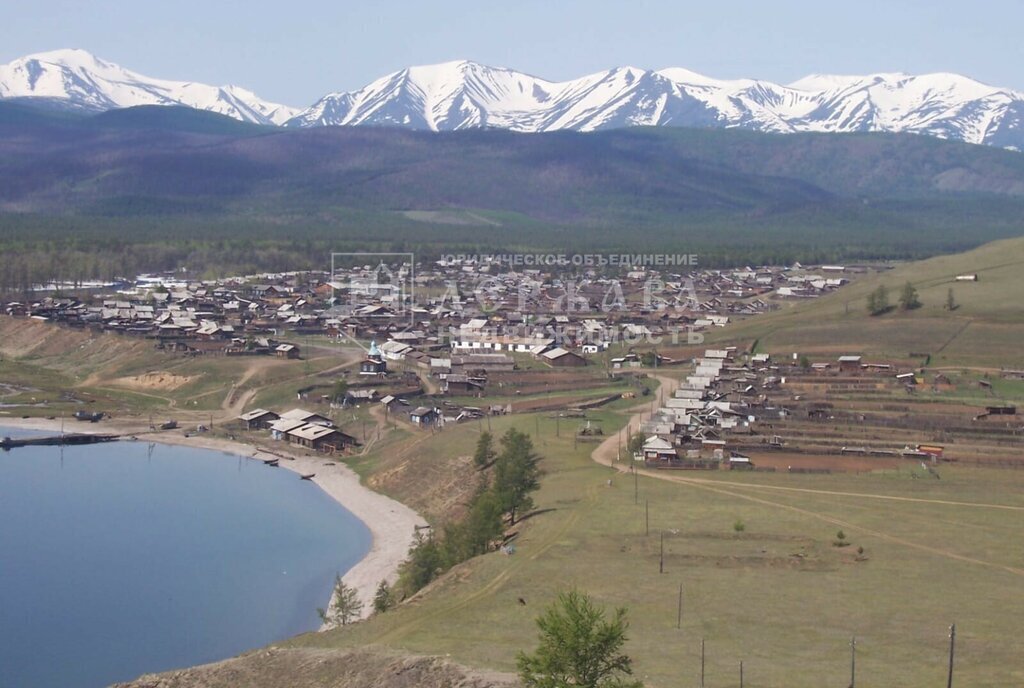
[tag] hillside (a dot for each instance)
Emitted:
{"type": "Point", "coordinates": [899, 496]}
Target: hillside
{"type": "Point", "coordinates": [205, 175]}
{"type": "Point", "coordinates": [984, 330]}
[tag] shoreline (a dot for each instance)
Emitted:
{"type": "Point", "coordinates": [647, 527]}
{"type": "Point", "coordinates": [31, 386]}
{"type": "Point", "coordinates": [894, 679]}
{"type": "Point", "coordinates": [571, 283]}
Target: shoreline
{"type": "Point", "coordinates": [392, 525]}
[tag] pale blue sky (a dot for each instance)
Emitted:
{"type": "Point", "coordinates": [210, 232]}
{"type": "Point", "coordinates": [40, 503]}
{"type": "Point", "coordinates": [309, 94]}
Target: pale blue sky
{"type": "Point", "coordinates": [294, 52]}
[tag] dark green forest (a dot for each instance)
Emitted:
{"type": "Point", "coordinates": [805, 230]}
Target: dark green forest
{"type": "Point", "coordinates": [151, 189]}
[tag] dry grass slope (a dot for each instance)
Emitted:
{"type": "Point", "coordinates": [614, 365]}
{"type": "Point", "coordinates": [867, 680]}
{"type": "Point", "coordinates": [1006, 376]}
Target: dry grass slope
{"type": "Point", "coordinates": [985, 329]}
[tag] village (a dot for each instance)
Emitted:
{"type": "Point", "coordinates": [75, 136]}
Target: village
{"type": "Point", "coordinates": [463, 339]}
{"type": "Point", "coordinates": [799, 416]}
{"type": "Point", "coordinates": [414, 310]}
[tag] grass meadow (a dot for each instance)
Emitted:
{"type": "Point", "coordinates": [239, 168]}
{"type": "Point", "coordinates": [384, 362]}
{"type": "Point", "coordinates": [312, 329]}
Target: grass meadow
{"type": "Point", "coordinates": [777, 595]}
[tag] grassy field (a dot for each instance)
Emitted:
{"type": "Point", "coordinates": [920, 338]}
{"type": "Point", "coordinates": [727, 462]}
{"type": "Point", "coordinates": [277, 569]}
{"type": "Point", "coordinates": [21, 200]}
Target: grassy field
{"type": "Point", "coordinates": [984, 330]}
{"type": "Point", "coordinates": [778, 595]}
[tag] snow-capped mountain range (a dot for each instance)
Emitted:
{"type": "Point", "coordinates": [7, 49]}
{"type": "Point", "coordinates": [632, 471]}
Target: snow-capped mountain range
{"type": "Point", "coordinates": [459, 95]}
{"type": "Point", "coordinates": [78, 79]}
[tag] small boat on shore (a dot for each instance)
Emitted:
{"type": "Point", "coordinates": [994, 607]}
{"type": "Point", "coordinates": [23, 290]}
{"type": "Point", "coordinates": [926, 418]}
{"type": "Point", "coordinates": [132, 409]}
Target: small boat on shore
{"type": "Point", "coordinates": [272, 462]}
{"type": "Point", "coordinates": [307, 476]}
{"type": "Point", "coordinates": [55, 440]}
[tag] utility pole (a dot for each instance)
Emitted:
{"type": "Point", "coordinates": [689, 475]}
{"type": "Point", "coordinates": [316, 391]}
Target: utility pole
{"type": "Point", "coordinates": [741, 673]}
{"type": "Point", "coordinates": [661, 558]}
{"type": "Point", "coordinates": [647, 517]}
{"type": "Point", "coordinates": [952, 647]}
{"type": "Point", "coordinates": [636, 485]}
{"type": "Point", "coordinates": [701, 663]}
{"type": "Point", "coordinates": [853, 662]}
{"type": "Point", "coordinates": [679, 612]}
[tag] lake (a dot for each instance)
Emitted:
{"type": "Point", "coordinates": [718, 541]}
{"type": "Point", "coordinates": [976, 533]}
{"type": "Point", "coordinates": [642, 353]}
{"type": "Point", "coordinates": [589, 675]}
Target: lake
{"type": "Point", "coordinates": [127, 558]}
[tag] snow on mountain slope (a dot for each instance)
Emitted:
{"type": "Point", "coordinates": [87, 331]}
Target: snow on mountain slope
{"type": "Point", "coordinates": [457, 95]}
{"type": "Point", "coordinates": [463, 94]}
{"type": "Point", "coordinates": [84, 81]}
{"type": "Point", "coordinates": [944, 105]}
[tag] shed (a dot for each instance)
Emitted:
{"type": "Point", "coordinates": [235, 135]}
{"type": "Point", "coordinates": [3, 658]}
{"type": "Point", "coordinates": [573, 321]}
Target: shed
{"type": "Point", "coordinates": [423, 415]}
{"type": "Point", "coordinates": [563, 358]}
{"type": "Point", "coordinates": [849, 362]}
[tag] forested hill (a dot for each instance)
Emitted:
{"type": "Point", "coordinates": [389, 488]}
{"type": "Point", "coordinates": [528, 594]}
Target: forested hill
{"type": "Point", "coordinates": [151, 173]}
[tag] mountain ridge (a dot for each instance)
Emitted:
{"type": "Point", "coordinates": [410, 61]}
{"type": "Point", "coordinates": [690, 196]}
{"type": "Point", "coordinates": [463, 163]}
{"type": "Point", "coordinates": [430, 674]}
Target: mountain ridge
{"type": "Point", "coordinates": [87, 82]}
{"type": "Point", "coordinates": [463, 94]}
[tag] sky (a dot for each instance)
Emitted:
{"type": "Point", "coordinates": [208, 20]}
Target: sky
{"type": "Point", "coordinates": [295, 52]}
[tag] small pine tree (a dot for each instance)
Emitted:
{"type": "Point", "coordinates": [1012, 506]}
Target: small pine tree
{"type": "Point", "coordinates": [578, 647]}
{"type": "Point", "coordinates": [908, 298]}
{"type": "Point", "coordinates": [950, 301]}
{"type": "Point", "coordinates": [345, 605]}
{"type": "Point", "coordinates": [383, 599]}
{"type": "Point", "coordinates": [516, 473]}
{"type": "Point", "coordinates": [739, 526]}
{"type": "Point", "coordinates": [805, 362]}
{"type": "Point", "coordinates": [485, 453]}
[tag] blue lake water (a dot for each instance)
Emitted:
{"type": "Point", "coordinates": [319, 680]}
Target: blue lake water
{"type": "Point", "coordinates": [127, 558]}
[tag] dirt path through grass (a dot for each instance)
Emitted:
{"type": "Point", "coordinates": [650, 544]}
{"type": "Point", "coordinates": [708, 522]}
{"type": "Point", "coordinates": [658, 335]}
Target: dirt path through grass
{"type": "Point", "coordinates": [607, 452]}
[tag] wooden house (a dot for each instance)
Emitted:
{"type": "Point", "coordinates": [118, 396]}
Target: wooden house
{"type": "Point", "coordinates": [258, 419]}
{"type": "Point", "coordinates": [563, 358]}
{"type": "Point", "coordinates": [320, 438]}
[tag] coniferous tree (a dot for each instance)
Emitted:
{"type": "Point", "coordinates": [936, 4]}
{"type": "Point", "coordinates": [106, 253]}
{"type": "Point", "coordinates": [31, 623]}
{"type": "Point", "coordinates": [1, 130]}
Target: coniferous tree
{"type": "Point", "coordinates": [345, 605]}
{"type": "Point", "coordinates": [578, 647]}
{"type": "Point", "coordinates": [517, 473]}
{"type": "Point", "coordinates": [908, 298]}
{"type": "Point", "coordinates": [485, 453]}
{"type": "Point", "coordinates": [383, 599]}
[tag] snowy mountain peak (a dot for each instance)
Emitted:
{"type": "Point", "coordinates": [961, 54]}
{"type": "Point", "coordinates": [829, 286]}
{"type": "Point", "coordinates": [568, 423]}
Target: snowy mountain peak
{"type": "Point", "coordinates": [79, 79]}
{"type": "Point", "coordinates": [69, 57]}
{"type": "Point", "coordinates": [462, 94]}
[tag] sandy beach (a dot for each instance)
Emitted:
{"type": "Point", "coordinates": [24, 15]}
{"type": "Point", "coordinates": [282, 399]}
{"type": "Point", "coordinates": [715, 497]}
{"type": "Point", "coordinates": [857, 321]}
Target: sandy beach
{"type": "Point", "coordinates": [391, 524]}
